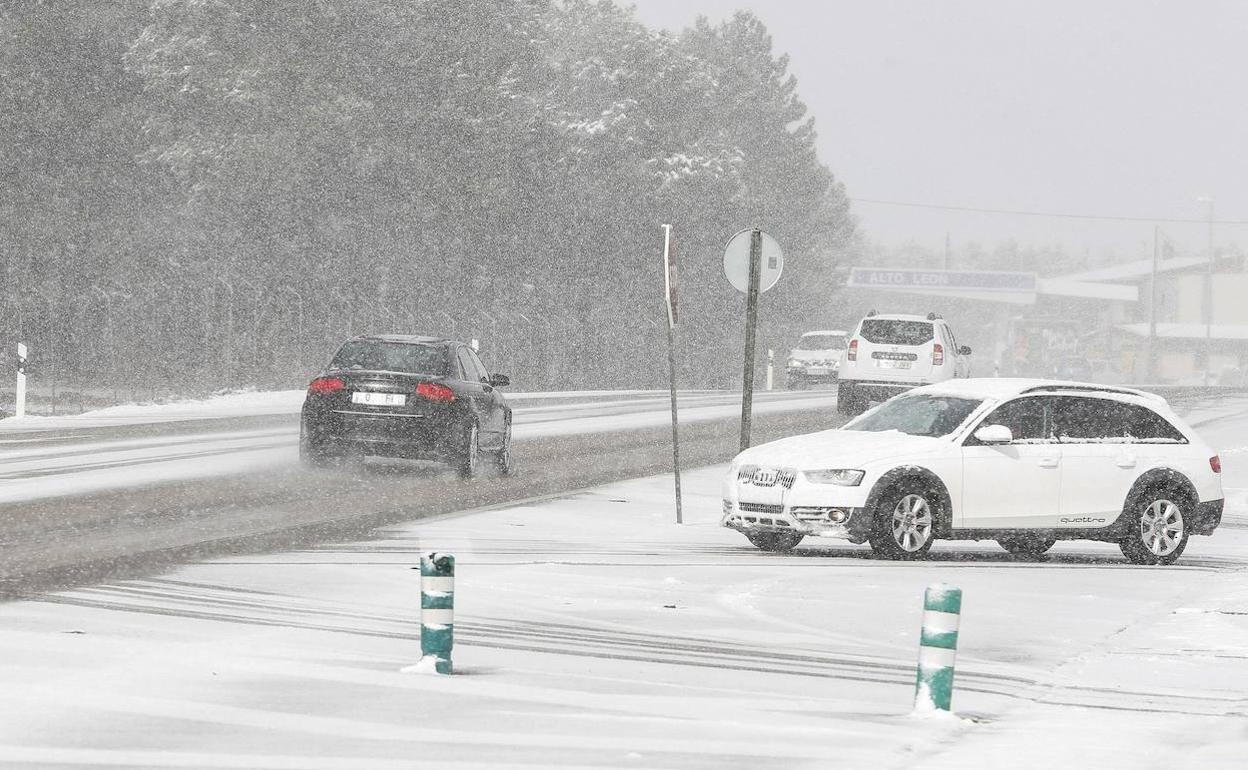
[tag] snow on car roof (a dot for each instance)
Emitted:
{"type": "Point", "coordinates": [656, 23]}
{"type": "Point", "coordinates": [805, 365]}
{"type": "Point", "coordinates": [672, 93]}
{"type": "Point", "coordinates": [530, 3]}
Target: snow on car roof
{"type": "Point", "coordinates": [1000, 388]}
{"type": "Point", "coordinates": [900, 317]}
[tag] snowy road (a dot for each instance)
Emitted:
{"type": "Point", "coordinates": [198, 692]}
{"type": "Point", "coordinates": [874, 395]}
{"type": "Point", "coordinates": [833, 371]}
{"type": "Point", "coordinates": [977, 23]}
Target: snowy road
{"type": "Point", "coordinates": [137, 446]}
{"type": "Point", "coordinates": [593, 632]}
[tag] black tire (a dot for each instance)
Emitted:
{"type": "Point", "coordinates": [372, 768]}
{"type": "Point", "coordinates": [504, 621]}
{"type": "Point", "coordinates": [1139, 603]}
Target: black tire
{"type": "Point", "coordinates": [502, 458]}
{"type": "Point", "coordinates": [1026, 544]}
{"type": "Point", "coordinates": [776, 542]}
{"type": "Point", "coordinates": [469, 462]}
{"type": "Point", "coordinates": [1157, 529]}
{"type": "Point", "coordinates": [903, 525]}
{"type": "Point", "coordinates": [847, 400]}
{"type": "Point", "coordinates": [317, 454]}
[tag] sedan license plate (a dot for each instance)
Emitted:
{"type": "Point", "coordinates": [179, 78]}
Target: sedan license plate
{"type": "Point", "coordinates": [378, 399]}
{"type": "Point", "coordinates": [817, 371]}
{"type": "Point", "coordinates": [886, 363]}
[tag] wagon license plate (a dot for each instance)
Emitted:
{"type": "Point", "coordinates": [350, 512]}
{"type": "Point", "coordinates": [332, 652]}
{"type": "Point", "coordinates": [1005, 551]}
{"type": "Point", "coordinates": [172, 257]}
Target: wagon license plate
{"type": "Point", "coordinates": [888, 363]}
{"type": "Point", "coordinates": [817, 371]}
{"type": "Point", "coordinates": [379, 399]}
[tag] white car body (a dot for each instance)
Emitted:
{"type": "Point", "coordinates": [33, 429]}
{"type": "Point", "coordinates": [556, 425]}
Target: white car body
{"type": "Point", "coordinates": [816, 358]}
{"type": "Point", "coordinates": [889, 353]}
{"type": "Point", "coordinates": [1046, 480]}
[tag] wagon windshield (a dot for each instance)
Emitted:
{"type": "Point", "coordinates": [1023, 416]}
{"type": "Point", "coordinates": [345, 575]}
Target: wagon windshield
{"type": "Point", "coordinates": [917, 415]}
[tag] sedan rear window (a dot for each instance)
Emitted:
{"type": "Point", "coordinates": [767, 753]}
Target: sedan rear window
{"type": "Point", "coordinates": [918, 415]}
{"type": "Point", "coordinates": [884, 331]}
{"type": "Point", "coordinates": [391, 357]}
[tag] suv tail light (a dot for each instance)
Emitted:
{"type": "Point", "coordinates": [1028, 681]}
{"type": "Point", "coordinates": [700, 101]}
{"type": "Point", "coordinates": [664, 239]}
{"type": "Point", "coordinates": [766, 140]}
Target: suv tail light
{"type": "Point", "coordinates": [852, 353]}
{"type": "Point", "coordinates": [438, 394]}
{"type": "Point", "coordinates": [938, 354]}
{"type": "Point", "coordinates": [325, 385]}
{"type": "Point", "coordinates": [1215, 463]}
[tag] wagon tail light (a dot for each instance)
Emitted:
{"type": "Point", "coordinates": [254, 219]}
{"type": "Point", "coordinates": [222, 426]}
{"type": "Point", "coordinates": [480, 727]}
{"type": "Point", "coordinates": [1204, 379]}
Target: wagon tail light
{"type": "Point", "coordinates": [1215, 463]}
{"type": "Point", "coordinates": [438, 394]}
{"type": "Point", "coordinates": [938, 354]}
{"type": "Point", "coordinates": [323, 386]}
{"type": "Point", "coordinates": [852, 353]}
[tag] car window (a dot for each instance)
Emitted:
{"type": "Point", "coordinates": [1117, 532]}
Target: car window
{"type": "Point", "coordinates": [821, 342]}
{"type": "Point", "coordinates": [917, 415]}
{"type": "Point", "coordinates": [1025, 417]}
{"type": "Point", "coordinates": [886, 331]}
{"type": "Point", "coordinates": [470, 372]}
{"type": "Point", "coordinates": [482, 372]}
{"type": "Point", "coordinates": [1082, 420]}
{"type": "Point", "coordinates": [391, 357]}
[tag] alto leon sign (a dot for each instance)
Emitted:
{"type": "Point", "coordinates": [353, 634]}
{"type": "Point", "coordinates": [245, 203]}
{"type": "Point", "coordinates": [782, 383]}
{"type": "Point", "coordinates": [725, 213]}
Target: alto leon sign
{"type": "Point", "coordinates": [972, 284]}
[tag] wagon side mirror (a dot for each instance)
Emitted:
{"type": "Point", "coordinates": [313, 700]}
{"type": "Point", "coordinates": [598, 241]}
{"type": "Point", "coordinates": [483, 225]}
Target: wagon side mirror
{"type": "Point", "coordinates": [994, 434]}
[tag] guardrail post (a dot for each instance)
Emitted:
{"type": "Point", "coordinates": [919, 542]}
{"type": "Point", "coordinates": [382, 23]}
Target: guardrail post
{"type": "Point", "coordinates": [938, 645]}
{"type": "Point", "coordinates": [437, 613]}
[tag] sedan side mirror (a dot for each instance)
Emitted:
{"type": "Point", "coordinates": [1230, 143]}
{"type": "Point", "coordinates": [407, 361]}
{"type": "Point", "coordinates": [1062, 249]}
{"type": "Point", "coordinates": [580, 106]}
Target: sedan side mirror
{"type": "Point", "coordinates": [994, 434]}
{"type": "Point", "coordinates": [500, 380]}
{"type": "Point", "coordinates": [965, 350]}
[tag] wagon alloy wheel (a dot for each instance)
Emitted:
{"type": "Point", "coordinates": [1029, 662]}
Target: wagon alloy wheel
{"type": "Point", "coordinates": [912, 523]}
{"type": "Point", "coordinates": [1158, 530]}
{"type": "Point", "coordinates": [904, 525]}
{"type": "Point", "coordinates": [1161, 527]}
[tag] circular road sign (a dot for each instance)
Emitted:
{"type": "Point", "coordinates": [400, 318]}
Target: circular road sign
{"type": "Point", "coordinates": [737, 262]}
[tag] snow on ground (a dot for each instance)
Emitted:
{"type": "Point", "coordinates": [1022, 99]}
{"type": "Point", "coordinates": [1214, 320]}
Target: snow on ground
{"type": "Point", "coordinates": [592, 631]}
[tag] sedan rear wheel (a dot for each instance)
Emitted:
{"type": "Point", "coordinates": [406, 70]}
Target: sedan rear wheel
{"type": "Point", "coordinates": [470, 459]}
{"type": "Point", "coordinates": [1157, 530]}
{"type": "Point", "coordinates": [502, 460]}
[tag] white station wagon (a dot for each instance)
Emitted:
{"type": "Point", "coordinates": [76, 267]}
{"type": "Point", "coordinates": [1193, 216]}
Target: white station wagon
{"type": "Point", "coordinates": [1022, 462]}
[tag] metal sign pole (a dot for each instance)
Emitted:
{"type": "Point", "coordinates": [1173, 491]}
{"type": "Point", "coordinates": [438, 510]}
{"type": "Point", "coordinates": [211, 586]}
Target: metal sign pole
{"type": "Point", "coordinates": [19, 396]}
{"type": "Point", "coordinates": [751, 322]}
{"type": "Point", "coordinates": [669, 279]}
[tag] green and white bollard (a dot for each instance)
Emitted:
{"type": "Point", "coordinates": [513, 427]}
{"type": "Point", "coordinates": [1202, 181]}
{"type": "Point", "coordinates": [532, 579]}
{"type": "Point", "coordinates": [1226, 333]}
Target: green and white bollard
{"type": "Point", "coordinates": [938, 646]}
{"type": "Point", "coordinates": [437, 611]}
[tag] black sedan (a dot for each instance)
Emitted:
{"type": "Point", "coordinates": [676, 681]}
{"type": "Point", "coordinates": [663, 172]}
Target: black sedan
{"type": "Point", "coordinates": [420, 398]}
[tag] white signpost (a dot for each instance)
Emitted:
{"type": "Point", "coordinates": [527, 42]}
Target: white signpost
{"type": "Point", "coordinates": [19, 396]}
{"type": "Point", "coordinates": [669, 297]}
{"type": "Point", "coordinates": [753, 263]}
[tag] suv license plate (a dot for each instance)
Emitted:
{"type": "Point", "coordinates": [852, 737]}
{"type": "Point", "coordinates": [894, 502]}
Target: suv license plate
{"type": "Point", "coordinates": [890, 364]}
{"type": "Point", "coordinates": [379, 399]}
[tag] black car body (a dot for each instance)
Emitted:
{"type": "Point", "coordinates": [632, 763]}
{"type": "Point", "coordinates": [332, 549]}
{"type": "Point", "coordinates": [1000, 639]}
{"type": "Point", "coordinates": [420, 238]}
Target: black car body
{"type": "Point", "coordinates": [421, 398]}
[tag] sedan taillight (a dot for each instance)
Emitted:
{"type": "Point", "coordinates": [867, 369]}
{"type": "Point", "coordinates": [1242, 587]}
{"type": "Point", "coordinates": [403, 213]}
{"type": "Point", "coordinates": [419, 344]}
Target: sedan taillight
{"type": "Point", "coordinates": [1215, 463]}
{"type": "Point", "coordinates": [438, 394]}
{"type": "Point", "coordinates": [325, 385]}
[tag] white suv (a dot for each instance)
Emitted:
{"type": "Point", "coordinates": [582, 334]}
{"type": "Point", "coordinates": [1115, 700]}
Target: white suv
{"type": "Point", "coordinates": [889, 353]}
{"type": "Point", "coordinates": [816, 359]}
{"type": "Point", "coordinates": [1022, 462]}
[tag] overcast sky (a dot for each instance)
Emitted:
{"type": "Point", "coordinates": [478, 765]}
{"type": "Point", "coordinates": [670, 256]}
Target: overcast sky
{"type": "Point", "coordinates": [1122, 108]}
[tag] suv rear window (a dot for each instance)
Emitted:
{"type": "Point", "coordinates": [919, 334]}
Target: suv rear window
{"type": "Point", "coordinates": [391, 357]}
{"type": "Point", "coordinates": [885, 331]}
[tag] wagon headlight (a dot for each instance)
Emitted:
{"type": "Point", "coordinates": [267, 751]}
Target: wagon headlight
{"type": "Point", "coordinates": [746, 472]}
{"type": "Point", "coordinates": [840, 477]}
{"type": "Point", "coordinates": [794, 363]}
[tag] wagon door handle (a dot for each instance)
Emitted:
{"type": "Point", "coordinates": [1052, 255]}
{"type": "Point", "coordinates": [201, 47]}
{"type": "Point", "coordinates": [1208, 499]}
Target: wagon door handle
{"type": "Point", "coordinates": [1125, 461]}
{"type": "Point", "coordinates": [1048, 462]}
